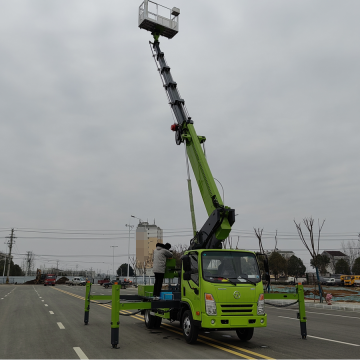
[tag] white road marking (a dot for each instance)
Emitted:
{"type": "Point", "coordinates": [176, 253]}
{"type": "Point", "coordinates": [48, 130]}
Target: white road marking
{"type": "Point", "coordinates": [51, 312]}
{"type": "Point", "coordinates": [40, 297]}
{"type": "Point", "coordinates": [80, 353]}
{"type": "Point", "coordinates": [42, 300]}
{"type": "Point", "coordinates": [316, 337]}
{"type": "Point", "coordinates": [46, 305]}
{"type": "Point", "coordinates": [314, 312]}
{"type": "Point", "coordinates": [61, 326]}
{"type": "Point", "coordinates": [340, 342]}
{"type": "Point", "coordinates": [285, 317]}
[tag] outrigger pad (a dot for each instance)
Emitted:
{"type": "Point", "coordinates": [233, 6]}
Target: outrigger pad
{"type": "Point", "coordinates": [303, 330]}
{"type": "Point", "coordinates": [114, 337]}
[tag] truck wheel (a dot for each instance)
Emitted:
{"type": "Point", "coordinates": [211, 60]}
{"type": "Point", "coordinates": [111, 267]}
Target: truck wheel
{"type": "Point", "coordinates": [151, 321]}
{"type": "Point", "coordinates": [245, 334]}
{"type": "Point", "coordinates": [190, 331]}
{"type": "Point", "coordinates": [106, 286]}
{"type": "Point", "coordinates": [44, 284]}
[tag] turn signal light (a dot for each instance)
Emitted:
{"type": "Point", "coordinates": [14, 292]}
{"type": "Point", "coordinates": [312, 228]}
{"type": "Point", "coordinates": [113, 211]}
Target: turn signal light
{"type": "Point", "coordinates": [198, 313]}
{"type": "Point", "coordinates": [209, 297]}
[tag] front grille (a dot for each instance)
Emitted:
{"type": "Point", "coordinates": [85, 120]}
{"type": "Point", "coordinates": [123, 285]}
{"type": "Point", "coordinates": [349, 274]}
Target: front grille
{"type": "Point", "coordinates": [238, 310]}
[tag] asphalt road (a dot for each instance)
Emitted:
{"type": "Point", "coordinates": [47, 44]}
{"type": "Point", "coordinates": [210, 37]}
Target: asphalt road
{"type": "Point", "coordinates": [47, 322]}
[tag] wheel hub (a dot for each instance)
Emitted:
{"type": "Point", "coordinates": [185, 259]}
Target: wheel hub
{"type": "Point", "coordinates": [187, 326]}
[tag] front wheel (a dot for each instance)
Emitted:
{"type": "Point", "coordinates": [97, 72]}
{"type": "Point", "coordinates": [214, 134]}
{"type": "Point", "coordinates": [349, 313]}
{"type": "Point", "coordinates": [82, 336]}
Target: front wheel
{"type": "Point", "coordinates": [245, 334]}
{"type": "Point", "coordinates": [151, 321]}
{"type": "Point", "coordinates": [106, 286]}
{"type": "Point", "coordinates": [190, 331]}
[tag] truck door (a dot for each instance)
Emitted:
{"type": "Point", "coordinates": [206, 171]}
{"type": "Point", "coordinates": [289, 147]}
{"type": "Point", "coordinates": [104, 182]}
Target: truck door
{"type": "Point", "coordinates": [192, 286]}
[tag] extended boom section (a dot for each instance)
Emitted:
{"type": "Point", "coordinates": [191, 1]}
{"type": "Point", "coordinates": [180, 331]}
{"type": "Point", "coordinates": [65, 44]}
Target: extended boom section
{"type": "Point", "coordinates": [221, 218]}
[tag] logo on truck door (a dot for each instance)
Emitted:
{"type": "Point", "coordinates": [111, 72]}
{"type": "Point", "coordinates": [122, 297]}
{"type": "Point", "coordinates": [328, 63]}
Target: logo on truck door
{"type": "Point", "coordinates": [236, 295]}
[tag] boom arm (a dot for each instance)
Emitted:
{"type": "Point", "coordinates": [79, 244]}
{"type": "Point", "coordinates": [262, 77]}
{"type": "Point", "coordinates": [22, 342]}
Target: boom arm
{"type": "Point", "coordinates": [221, 218]}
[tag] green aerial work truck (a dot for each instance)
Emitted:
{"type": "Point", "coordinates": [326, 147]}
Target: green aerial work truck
{"type": "Point", "coordinates": [217, 288]}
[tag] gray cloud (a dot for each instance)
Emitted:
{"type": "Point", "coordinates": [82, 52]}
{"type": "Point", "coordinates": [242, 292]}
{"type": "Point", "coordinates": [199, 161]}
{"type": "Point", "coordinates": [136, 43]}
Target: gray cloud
{"type": "Point", "coordinates": [85, 127]}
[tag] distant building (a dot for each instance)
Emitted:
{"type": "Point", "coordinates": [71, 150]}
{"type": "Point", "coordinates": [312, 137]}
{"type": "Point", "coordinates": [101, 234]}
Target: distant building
{"type": "Point", "coordinates": [146, 238]}
{"type": "Point", "coordinates": [334, 257]}
{"type": "Point", "coordinates": [284, 253]}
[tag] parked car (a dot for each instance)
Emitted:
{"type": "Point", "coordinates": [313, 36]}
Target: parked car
{"type": "Point", "coordinates": [103, 281]}
{"type": "Point", "coordinates": [331, 282]}
{"type": "Point", "coordinates": [111, 283]}
{"type": "Point", "coordinates": [323, 280]}
{"type": "Point", "coordinates": [76, 281]}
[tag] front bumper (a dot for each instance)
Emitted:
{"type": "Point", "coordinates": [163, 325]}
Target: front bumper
{"type": "Point", "coordinates": [225, 322]}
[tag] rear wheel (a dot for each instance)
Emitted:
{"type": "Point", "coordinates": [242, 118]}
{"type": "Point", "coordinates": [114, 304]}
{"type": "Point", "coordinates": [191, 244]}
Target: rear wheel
{"type": "Point", "coordinates": [106, 286]}
{"type": "Point", "coordinates": [190, 331]}
{"type": "Point", "coordinates": [245, 334]}
{"type": "Point", "coordinates": [152, 321]}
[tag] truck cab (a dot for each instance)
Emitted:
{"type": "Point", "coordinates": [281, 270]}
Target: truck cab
{"type": "Point", "coordinates": [50, 280]}
{"type": "Point", "coordinates": [224, 290]}
{"type": "Point", "coordinates": [220, 289]}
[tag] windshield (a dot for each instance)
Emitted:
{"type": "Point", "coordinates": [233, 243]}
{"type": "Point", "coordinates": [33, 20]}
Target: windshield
{"type": "Point", "coordinates": [51, 277]}
{"type": "Point", "coordinates": [239, 267]}
{"type": "Point", "coordinates": [347, 277]}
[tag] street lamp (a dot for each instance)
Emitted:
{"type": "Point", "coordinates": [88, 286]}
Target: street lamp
{"type": "Point", "coordinates": [128, 263]}
{"type": "Point", "coordinates": [113, 258]}
{"type": "Point", "coordinates": [136, 218]}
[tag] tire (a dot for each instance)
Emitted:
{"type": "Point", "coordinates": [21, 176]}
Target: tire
{"type": "Point", "coordinates": [190, 331]}
{"type": "Point", "coordinates": [44, 284]}
{"type": "Point", "coordinates": [106, 286]}
{"type": "Point", "coordinates": [245, 334]}
{"type": "Point", "coordinates": [151, 321]}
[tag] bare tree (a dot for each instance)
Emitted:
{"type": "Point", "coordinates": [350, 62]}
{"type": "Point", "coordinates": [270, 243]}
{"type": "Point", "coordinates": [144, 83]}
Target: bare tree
{"type": "Point", "coordinates": [258, 234]}
{"type": "Point", "coordinates": [351, 250]}
{"type": "Point", "coordinates": [133, 265]}
{"type": "Point", "coordinates": [314, 253]}
{"type": "Point", "coordinates": [265, 267]}
{"type": "Point", "coordinates": [178, 251]}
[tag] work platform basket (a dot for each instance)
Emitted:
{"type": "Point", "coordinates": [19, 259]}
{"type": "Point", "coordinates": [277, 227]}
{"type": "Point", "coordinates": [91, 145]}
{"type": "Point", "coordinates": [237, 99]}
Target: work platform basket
{"type": "Point", "coordinates": [156, 18]}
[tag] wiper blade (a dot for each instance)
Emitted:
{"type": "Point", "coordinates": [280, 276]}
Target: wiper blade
{"type": "Point", "coordinates": [228, 280]}
{"type": "Point", "coordinates": [251, 282]}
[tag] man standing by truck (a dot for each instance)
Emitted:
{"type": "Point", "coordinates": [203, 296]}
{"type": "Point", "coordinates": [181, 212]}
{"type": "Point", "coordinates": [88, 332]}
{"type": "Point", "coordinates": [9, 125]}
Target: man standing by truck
{"type": "Point", "coordinates": [161, 253]}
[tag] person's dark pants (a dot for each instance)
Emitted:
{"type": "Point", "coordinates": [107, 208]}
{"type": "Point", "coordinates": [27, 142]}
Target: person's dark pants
{"type": "Point", "coordinates": [159, 278]}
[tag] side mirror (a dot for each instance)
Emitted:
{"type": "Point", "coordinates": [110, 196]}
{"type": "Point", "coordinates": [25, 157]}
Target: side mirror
{"type": "Point", "coordinates": [187, 275]}
{"type": "Point", "coordinates": [186, 263]}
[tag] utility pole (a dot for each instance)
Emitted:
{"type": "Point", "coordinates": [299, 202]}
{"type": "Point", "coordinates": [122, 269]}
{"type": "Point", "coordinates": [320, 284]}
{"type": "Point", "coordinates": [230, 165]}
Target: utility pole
{"type": "Point", "coordinates": [4, 265]}
{"type": "Point", "coordinates": [10, 242]}
{"type": "Point", "coordinates": [57, 267]}
{"type": "Point", "coordinates": [27, 262]}
{"type": "Point", "coordinates": [128, 262]}
{"type": "Point", "coordinates": [113, 258]}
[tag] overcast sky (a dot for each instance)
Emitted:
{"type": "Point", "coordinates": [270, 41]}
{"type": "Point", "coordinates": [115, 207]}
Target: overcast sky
{"type": "Point", "coordinates": [85, 137]}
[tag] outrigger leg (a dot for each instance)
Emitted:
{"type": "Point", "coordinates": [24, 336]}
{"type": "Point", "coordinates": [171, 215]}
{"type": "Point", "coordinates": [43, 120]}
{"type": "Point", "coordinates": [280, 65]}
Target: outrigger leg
{"type": "Point", "coordinates": [302, 313]}
{"type": "Point", "coordinates": [87, 302]}
{"type": "Point", "coordinates": [115, 309]}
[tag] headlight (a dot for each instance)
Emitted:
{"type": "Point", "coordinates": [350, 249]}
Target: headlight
{"type": "Point", "coordinates": [261, 305]}
{"type": "Point", "coordinates": [210, 305]}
